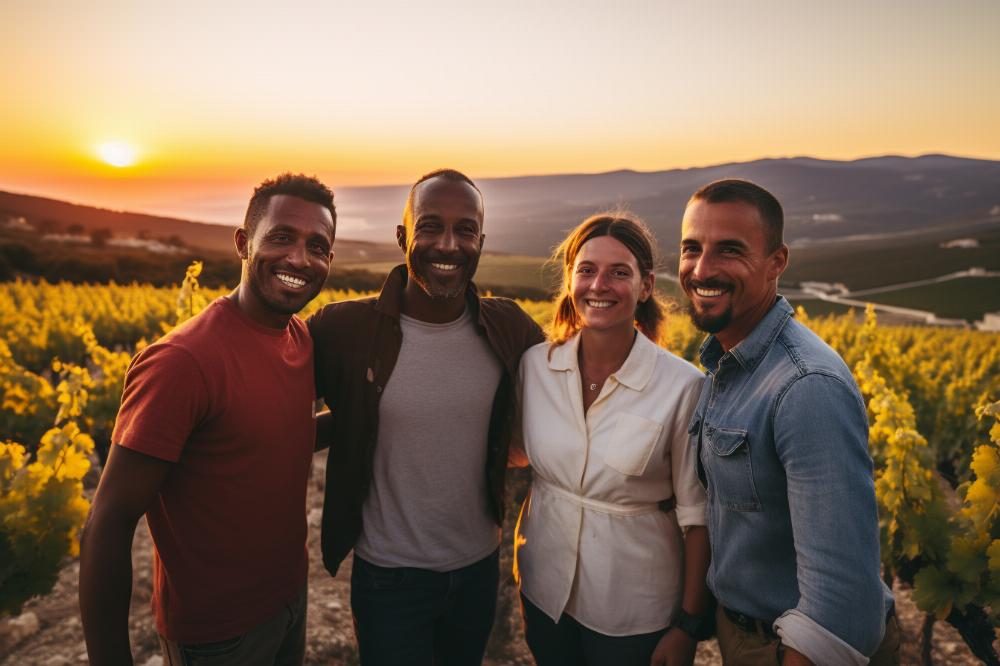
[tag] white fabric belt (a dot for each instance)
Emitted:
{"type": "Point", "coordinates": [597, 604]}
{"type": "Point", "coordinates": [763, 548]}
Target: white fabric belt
{"type": "Point", "coordinates": [596, 505]}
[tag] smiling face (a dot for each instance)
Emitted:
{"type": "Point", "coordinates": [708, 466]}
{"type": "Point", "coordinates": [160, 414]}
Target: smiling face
{"type": "Point", "coordinates": [727, 269]}
{"type": "Point", "coordinates": [442, 241]}
{"type": "Point", "coordinates": [607, 285]}
{"type": "Point", "coordinates": [287, 259]}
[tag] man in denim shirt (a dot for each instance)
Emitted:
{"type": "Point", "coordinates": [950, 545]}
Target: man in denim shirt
{"type": "Point", "coordinates": [782, 437]}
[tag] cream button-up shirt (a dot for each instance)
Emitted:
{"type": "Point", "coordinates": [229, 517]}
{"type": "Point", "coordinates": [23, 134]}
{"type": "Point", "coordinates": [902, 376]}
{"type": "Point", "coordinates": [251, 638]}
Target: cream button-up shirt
{"type": "Point", "coordinates": [591, 539]}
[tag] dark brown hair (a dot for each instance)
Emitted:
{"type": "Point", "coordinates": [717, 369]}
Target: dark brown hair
{"type": "Point", "coordinates": [735, 190]}
{"type": "Point", "coordinates": [630, 232]}
{"type": "Point", "coordinates": [293, 184]}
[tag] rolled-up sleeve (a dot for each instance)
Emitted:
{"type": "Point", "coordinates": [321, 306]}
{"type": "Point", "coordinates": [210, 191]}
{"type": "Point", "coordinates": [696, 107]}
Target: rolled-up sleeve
{"type": "Point", "coordinates": [690, 496]}
{"type": "Point", "coordinates": [821, 438]}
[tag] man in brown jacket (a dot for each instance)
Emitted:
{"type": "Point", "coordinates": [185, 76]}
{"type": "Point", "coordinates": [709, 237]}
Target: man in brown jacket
{"type": "Point", "coordinates": [420, 382]}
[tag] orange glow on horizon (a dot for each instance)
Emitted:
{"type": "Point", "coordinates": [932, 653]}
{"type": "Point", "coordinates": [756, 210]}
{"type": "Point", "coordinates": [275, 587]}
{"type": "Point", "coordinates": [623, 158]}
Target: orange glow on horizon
{"type": "Point", "coordinates": [359, 95]}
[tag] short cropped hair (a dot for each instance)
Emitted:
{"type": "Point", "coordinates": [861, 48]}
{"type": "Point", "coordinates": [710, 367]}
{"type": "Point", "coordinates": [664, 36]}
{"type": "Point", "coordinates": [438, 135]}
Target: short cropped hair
{"type": "Point", "coordinates": [732, 190]}
{"type": "Point", "coordinates": [293, 184]}
{"type": "Point", "coordinates": [447, 174]}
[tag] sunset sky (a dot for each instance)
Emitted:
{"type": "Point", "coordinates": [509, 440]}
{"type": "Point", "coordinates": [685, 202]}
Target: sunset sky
{"type": "Point", "coordinates": [196, 102]}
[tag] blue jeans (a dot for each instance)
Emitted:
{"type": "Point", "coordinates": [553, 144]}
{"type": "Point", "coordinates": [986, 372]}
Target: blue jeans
{"type": "Point", "coordinates": [569, 643]}
{"type": "Point", "coordinates": [414, 617]}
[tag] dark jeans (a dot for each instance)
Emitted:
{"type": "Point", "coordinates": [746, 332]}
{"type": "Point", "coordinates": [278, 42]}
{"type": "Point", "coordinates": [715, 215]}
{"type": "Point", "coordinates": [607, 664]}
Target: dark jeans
{"type": "Point", "coordinates": [415, 617]}
{"type": "Point", "coordinates": [569, 643]}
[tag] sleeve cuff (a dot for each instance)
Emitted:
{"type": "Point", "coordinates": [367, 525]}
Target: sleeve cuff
{"type": "Point", "coordinates": [688, 516]}
{"type": "Point", "coordinates": [803, 634]}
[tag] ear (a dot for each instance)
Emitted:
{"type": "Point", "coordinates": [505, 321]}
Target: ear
{"type": "Point", "coordinates": [401, 237]}
{"type": "Point", "coordinates": [242, 242]}
{"type": "Point", "coordinates": [648, 282]}
{"type": "Point", "coordinates": [482, 239]}
{"type": "Point", "coordinates": [778, 262]}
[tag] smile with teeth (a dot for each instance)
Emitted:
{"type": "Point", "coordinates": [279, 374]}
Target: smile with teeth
{"type": "Point", "coordinates": [290, 280]}
{"type": "Point", "coordinates": [600, 304]}
{"type": "Point", "coordinates": [444, 267]}
{"type": "Point", "coordinates": [707, 293]}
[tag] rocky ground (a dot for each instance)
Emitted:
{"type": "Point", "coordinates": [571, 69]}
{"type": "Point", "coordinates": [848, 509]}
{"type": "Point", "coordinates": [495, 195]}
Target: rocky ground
{"type": "Point", "coordinates": [48, 632]}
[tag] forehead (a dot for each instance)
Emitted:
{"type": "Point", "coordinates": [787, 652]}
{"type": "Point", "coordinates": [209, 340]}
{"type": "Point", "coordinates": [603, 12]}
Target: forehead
{"type": "Point", "coordinates": [605, 250]}
{"type": "Point", "coordinates": [287, 210]}
{"type": "Point", "coordinates": [447, 198]}
{"type": "Point", "coordinates": [714, 222]}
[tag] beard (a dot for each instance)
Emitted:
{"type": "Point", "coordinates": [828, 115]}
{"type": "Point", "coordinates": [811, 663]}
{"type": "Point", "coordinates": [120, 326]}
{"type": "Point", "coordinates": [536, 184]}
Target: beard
{"type": "Point", "coordinates": [258, 277]}
{"type": "Point", "coordinates": [416, 271]}
{"type": "Point", "coordinates": [704, 322]}
{"type": "Point", "coordinates": [709, 324]}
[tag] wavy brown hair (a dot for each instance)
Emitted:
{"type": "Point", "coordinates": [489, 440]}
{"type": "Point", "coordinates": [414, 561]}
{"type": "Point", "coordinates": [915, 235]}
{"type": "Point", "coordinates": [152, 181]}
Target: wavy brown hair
{"type": "Point", "coordinates": [631, 232]}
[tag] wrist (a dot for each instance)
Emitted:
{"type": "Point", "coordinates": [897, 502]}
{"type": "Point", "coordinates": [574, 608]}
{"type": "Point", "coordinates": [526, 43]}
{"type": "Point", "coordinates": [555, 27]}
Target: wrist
{"type": "Point", "coordinates": [698, 627]}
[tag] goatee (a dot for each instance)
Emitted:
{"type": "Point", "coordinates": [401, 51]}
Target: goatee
{"type": "Point", "coordinates": [709, 324]}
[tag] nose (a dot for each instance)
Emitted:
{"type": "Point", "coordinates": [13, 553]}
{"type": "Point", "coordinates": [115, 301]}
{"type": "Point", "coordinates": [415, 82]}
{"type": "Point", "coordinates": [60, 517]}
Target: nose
{"type": "Point", "coordinates": [703, 268]}
{"type": "Point", "coordinates": [297, 255]}
{"type": "Point", "coordinates": [447, 242]}
{"type": "Point", "coordinates": [600, 281]}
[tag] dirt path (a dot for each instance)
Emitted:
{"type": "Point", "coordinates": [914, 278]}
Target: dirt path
{"type": "Point", "coordinates": [58, 639]}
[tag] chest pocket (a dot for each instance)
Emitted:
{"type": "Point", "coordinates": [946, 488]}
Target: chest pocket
{"type": "Point", "coordinates": [632, 444]}
{"type": "Point", "coordinates": [730, 473]}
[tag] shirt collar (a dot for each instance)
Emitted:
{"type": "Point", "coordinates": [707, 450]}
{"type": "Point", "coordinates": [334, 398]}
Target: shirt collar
{"type": "Point", "coordinates": [751, 349]}
{"type": "Point", "coordinates": [390, 300]}
{"type": "Point", "coordinates": [635, 372]}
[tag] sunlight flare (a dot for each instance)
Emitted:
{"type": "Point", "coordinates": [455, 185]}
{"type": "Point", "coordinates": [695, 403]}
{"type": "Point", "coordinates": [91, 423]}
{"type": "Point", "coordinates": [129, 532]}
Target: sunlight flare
{"type": "Point", "coordinates": [117, 153]}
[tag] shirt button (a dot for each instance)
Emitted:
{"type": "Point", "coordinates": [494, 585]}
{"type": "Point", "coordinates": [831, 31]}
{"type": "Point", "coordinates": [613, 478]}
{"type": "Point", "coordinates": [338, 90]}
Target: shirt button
{"type": "Point", "coordinates": [378, 389]}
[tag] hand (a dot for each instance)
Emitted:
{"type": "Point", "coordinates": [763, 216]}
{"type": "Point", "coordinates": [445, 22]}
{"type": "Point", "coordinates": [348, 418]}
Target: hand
{"type": "Point", "coordinates": [676, 648]}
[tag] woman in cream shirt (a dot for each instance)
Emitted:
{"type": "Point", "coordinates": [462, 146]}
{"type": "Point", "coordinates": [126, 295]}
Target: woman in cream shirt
{"type": "Point", "coordinates": [611, 548]}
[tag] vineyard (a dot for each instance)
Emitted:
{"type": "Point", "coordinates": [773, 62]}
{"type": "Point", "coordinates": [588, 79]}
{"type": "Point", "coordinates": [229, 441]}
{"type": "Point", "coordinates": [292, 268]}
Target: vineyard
{"type": "Point", "coordinates": [933, 398]}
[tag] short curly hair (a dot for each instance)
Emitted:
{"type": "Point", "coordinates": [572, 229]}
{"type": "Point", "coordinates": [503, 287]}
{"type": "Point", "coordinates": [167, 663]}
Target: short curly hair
{"type": "Point", "coordinates": [293, 184]}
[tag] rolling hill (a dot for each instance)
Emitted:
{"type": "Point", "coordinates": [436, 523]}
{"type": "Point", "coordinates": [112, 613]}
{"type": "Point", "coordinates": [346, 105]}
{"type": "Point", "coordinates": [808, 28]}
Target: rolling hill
{"type": "Point", "coordinates": [823, 199]}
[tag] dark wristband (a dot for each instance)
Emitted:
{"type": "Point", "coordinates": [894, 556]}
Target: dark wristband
{"type": "Point", "coordinates": [698, 628]}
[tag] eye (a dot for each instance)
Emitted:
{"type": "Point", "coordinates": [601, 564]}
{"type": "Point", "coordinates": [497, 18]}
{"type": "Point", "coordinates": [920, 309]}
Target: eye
{"type": "Point", "coordinates": [622, 273]}
{"type": "Point", "coordinates": [688, 249]}
{"type": "Point", "coordinates": [426, 228]}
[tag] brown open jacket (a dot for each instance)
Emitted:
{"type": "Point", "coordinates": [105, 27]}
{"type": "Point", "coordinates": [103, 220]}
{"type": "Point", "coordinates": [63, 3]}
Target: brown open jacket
{"type": "Point", "coordinates": [356, 346]}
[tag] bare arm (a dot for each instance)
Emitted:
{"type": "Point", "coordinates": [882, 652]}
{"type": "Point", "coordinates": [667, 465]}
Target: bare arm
{"type": "Point", "coordinates": [324, 430]}
{"type": "Point", "coordinates": [129, 484]}
{"type": "Point", "coordinates": [696, 559]}
{"type": "Point", "coordinates": [677, 647]}
{"type": "Point", "coordinates": [794, 658]}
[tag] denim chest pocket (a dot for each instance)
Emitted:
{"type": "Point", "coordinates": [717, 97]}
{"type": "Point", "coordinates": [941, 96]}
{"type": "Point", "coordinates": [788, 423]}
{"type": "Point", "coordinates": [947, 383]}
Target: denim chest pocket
{"type": "Point", "coordinates": [632, 444]}
{"type": "Point", "coordinates": [730, 469]}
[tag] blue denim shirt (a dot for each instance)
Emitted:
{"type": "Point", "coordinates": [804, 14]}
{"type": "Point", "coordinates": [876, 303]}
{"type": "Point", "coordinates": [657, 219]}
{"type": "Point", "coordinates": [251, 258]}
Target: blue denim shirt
{"type": "Point", "coordinates": [782, 436]}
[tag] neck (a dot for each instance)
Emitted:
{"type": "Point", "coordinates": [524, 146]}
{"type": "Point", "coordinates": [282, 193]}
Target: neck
{"type": "Point", "coordinates": [248, 303]}
{"type": "Point", "coordinates": [418, 305]}
{"type": "Point", "coordinates": [738, 330]}
{"type": "Point", "coordinates": [606, 349]}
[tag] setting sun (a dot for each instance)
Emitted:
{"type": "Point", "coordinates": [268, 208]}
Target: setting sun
{"type": "Point", "coordinates": [117, 153]}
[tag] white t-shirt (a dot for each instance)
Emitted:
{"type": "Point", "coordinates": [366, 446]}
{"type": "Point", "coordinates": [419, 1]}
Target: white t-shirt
{"type": "Point", "coordinates": [592, 541]}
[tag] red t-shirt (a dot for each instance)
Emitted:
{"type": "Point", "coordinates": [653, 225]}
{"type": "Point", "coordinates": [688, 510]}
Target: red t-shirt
{"type": "Point", "coordinates": [230, 403]}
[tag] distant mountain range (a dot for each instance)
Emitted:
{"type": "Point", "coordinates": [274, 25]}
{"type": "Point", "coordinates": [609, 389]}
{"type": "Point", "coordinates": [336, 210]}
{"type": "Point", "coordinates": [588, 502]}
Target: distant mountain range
{"type": "Point", "coordinates": [823, 199]}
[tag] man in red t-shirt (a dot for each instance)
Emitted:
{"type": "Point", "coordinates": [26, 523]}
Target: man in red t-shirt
{"type": "Point", "coordinates": [214, 442]}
